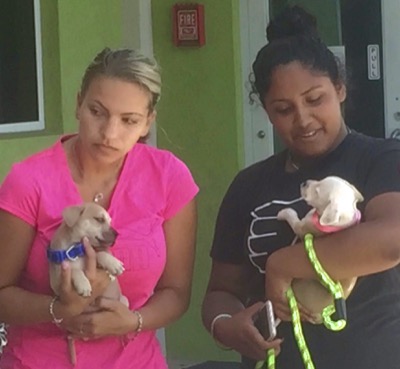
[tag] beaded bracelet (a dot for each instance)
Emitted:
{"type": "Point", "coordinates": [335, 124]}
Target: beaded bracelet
{"type": "Point", "coordinates": [140, 322]}
{"type": "Point", "coordinates": [56, 321]}
{"type": "Point", "coordinates": [212, 327]}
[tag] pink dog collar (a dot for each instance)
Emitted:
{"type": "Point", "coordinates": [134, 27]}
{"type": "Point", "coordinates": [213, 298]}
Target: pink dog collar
{"type": "Point", "coordinates": [332, 229]}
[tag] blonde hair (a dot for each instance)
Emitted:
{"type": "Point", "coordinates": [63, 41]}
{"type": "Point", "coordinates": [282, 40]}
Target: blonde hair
{"type": "Point", "coordinates": [128, 65]}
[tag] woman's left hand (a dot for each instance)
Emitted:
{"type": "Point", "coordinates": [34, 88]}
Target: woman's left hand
{"type": "Point", "coordinates": [113, 319]}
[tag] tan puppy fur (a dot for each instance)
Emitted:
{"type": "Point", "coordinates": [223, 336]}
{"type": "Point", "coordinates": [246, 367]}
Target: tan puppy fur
{"type": "Point", "coordinates": [334, 200]}
{"type": "Point", "coordinates": [92, 221]}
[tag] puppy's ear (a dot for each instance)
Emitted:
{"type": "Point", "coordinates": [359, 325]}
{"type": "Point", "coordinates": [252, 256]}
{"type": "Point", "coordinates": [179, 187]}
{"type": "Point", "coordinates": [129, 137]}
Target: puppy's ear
{"type": "Point", "coordinates": [330, 215]}
{"type": "Point", "coordinates": [72, 214]}
{"type": "Point", "coordinates": [357, 194]}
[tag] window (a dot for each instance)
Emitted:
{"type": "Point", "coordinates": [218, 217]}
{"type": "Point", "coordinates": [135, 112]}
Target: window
{"type": "Point", "coordinates": [21, 82]}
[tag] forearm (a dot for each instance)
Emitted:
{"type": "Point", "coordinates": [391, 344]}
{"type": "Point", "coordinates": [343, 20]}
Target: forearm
{"type": "Point", "coordinates": [164, 307]}
{"type": "Point", "coordinates": [368, 248]}
{"type": "Point", "coordinates": [22, 307]}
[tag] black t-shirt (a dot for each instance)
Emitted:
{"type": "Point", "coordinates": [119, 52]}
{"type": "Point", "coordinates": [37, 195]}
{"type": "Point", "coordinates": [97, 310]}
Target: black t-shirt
{"type": "Point", "coordinates": [247, 231]}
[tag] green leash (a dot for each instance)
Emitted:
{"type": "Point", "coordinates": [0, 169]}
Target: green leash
{"type": "Point", "coordinates": [269, 362]}
{"type": "Point", "coordinates": [335, 288]}
{"type": "Point", "coordinates": [338, 309]}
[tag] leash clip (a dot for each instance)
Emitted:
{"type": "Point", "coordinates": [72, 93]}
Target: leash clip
{"type": "Point", "coordinates": [340, 309]}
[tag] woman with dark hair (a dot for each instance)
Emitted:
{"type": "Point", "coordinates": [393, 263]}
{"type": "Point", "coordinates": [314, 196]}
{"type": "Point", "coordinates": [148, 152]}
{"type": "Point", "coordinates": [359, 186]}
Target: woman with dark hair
{"type": "Point", "coordinates": [255, 257]}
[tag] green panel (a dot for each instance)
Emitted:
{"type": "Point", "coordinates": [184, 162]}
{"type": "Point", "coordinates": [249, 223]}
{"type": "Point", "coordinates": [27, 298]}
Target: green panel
{"type": "Point", "coordinates": [86, 27]}
{"type": "Point", "coordinates": [14, 150]}
{"type": "Point", "coordinates": [200, 120]}
{"type": "Point", "coordinates": [51, 67]}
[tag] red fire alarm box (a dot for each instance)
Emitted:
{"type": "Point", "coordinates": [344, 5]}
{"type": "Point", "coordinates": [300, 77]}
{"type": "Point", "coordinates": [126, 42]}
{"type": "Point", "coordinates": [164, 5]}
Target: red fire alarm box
{"type": "Point", "coordinates": [188, 24]}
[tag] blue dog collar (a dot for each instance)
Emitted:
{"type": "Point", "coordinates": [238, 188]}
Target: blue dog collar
{"type": "Point", "coordinates": [74, 252]}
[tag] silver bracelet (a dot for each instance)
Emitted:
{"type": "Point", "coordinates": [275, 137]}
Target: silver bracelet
{"type": "Point", "coordinates": [56, 321]}
{"type": "Point", "coordinates": [212, 327]}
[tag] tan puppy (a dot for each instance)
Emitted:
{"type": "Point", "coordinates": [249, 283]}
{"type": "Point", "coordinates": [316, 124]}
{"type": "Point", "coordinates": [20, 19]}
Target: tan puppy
{"type": "Point", "coordinates": [334, 203]}
{"type": "Point", "coordinates": [92, 221]}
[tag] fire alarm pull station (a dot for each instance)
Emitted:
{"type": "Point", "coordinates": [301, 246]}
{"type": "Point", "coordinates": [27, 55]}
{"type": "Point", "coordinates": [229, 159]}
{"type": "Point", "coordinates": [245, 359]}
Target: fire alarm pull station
{"type": "Point", "coordinates": [188, 24]}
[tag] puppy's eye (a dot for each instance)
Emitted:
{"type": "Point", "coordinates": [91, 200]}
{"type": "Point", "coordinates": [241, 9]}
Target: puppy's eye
{"type": "Point", "coordinates": [99, 220]}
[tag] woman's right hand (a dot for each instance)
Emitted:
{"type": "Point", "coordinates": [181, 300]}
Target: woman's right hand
{"type": "Point", "coordinates": [70, 303]}
{"type": "Point", "coordinates": [240, 334]}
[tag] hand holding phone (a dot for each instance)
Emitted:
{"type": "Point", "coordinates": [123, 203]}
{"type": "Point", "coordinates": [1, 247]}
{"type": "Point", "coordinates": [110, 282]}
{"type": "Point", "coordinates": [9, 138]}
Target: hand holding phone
{"type": "Point", "coordinates": [264, 321]}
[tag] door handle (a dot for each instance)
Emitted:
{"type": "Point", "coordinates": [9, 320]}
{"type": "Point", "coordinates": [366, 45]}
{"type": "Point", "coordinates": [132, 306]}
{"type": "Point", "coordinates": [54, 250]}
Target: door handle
{"type": "Point", "coordinates": [395, 134]}
{"type": "Point", "coordinates": [261, 134]}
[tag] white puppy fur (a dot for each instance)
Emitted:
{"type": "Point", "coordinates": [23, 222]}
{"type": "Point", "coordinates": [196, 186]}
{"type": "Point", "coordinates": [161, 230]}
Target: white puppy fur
{"type": "Point", "coordinates": [335, 202]}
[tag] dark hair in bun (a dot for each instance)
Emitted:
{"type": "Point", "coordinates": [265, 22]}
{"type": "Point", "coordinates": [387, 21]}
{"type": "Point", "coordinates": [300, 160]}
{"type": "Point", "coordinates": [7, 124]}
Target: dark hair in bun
{"type": "Point", "coordinates": [292, 37]}
{"type": "Point", "coordinates": [295, 21]}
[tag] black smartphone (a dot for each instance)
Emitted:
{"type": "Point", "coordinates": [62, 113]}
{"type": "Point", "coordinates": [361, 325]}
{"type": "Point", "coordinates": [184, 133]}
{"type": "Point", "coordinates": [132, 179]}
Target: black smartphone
{"type": "Point", "coordinates": [264, 321]}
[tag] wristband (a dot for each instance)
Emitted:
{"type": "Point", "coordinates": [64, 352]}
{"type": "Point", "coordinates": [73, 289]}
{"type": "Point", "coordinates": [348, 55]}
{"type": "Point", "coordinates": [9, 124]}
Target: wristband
{"type": "Point", "coordinates": [212, 327]}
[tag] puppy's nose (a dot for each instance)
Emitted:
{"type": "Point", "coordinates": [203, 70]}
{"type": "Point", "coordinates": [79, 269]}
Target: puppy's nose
{"type": "Point", "coordinates": [114, 232]}
{"type": "Point", "coordinates": [109, 236]}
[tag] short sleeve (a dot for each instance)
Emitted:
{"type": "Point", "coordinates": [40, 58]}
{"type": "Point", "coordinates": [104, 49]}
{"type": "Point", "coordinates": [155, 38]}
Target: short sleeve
{"type": "Point", "coordinates": [181, 187]}
{"type": "Point", "coordinates": [384, 171]}
{"type": "Point", "coordinates": [18, 195]}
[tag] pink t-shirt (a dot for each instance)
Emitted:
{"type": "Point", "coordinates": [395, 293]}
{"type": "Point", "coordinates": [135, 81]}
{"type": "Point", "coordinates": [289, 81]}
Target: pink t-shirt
{"type": "Point", "coordinates": [153, 186]}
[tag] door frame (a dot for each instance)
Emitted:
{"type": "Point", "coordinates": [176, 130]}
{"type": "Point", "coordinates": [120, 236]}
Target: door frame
{"type": "Point", "coordinates": [137, 33]}
{"type": "Point", "coordinates": [254, 17]}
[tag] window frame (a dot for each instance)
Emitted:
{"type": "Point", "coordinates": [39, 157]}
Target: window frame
{"type": "Point", "coordinates": [39, 124]}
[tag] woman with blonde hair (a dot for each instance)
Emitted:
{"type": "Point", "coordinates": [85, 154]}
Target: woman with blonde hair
{"type": "Point", "coordinates": [150, 195]}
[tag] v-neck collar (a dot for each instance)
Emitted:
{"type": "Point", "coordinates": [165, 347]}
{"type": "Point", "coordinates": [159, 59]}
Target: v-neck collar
{"type": "Point", "coordinates": [73, 186]}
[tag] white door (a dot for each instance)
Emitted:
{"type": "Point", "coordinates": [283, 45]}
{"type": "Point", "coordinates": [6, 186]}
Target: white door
{"type": "Point", "coordinates": [391, 65]}
{"type": "Point", "coordinates": [257, 130]}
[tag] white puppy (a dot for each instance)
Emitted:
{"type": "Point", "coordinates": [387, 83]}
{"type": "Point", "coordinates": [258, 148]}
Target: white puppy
{"type": "Point", "coordinates": [334, 203]}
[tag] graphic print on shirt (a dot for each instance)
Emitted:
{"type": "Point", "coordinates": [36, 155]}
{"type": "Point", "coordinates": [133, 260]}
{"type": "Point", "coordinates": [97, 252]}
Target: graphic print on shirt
{"type": "Point", "coordinates": [267, 234]}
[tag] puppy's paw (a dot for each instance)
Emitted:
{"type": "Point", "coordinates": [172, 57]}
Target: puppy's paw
{"type": "Point", "coordinates": [112, 277]}
{"type": "Point", "coordinates": [116, 267]}
{"type": "Point", "coordinates": [286, 214]}
{"type": "Point", "coordinates": [83, 287]}
{"type": "Point", "coordinates": [110, 263]}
